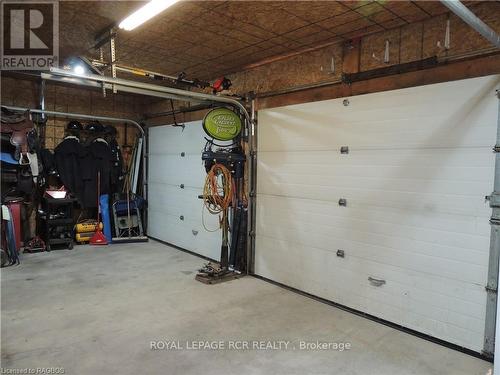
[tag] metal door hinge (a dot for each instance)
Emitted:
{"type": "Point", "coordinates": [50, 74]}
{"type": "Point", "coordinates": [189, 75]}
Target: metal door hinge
{"type": "Point", "coordinates": [490, 289]}
{"type": "Point", "coordinates": [344, 150]}
{"type": "Point", "coordinates": [496, 148]}
{"type": "Point", "coordinates": [494, 221]}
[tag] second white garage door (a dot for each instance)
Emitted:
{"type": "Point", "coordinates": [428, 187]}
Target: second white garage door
{"type": "Point", "coordinates": [175, 179]}
{"type": "Point", "coordinates": [414, 231]}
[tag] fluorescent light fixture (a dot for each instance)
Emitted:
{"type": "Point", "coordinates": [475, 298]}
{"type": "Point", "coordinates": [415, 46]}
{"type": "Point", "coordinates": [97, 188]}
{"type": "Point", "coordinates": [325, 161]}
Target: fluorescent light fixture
{"type": "Point", "coordinates": [145, 13]}
{"type": "Point", "coordinates": [78, 69]}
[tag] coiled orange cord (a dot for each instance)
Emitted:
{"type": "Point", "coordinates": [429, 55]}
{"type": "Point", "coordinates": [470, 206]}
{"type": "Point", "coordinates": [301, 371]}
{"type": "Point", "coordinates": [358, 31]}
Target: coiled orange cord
{"type": "Point", "coordinates": [218, 192]}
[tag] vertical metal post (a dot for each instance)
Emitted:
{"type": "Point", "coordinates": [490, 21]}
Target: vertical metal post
{"type": "Point", "coordinates": [43, 116]}
{"type": "Point", "coordinates": [492, 318]}
{"type": "Point", "coordinates": [145, 166]}
{"type": "Point", "coordinates": [101, 58]}
{"type": "Point", "coordinates": [42, 98]}
{"type": "Point", "coordinates": [113, 56]}
{"type": "Point", "coordinates": [252, 182]}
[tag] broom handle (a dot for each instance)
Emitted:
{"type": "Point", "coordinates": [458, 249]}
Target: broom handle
{"type": "Point", "coordinates": [98, 194]}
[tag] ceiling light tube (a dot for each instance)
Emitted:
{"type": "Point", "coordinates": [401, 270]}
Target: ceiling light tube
{"type": "Point", "coordinates": [145, 13]}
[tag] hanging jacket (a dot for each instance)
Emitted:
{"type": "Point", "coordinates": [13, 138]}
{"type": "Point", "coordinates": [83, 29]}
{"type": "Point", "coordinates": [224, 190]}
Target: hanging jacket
{"type": "Point", "coordinates": [99, 158]}
{"type": "Point", "coordinates": [69, 156]}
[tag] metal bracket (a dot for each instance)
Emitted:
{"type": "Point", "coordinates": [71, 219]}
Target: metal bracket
{"type": "Point", "coordinates": [386, 52]}
{"type": "Point", "coordinates": [344, 149]}
{"type": "Point", "coordinates": [496, 148]}
{"type": "Point", "coordinates": [494, 221]}
{"type": "Point", "coordinates": [342, 202]}
{"type": "Point", "coordinates": [101, 58]}
{"type": "Point", "coordinates": [494, 199]}
{"type": "Point", "coordinates": [490, 289]}
{"type": "Point", "coordinates": [112, 50]}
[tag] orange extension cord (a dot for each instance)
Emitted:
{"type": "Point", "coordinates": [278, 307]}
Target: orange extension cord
{"type": "Point", "coordinates": [218, 193]}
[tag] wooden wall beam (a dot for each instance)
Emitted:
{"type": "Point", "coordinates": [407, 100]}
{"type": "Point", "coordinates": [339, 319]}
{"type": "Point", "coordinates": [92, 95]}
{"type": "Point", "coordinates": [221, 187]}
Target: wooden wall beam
{"type": "Point", "coordinates": [451, 71]}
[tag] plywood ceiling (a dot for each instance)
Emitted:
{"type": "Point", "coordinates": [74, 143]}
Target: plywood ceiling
{"type": "Point", "coordinates": [210, 38]}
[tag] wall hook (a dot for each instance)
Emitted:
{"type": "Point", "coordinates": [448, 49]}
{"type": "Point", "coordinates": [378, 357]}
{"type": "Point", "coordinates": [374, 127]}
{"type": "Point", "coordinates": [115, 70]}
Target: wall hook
{"type": "Point", "coordinates": [447, 35]}
{"type": "Point", "coordinates": [332, 66]}
{"type": "Point", "coordinates": [386, 51]}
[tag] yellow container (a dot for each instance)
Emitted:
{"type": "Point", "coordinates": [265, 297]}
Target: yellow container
{"type": "Point", "coordinates": [83, 237]}
{"type": "Point", "coordinates": [87, 227]}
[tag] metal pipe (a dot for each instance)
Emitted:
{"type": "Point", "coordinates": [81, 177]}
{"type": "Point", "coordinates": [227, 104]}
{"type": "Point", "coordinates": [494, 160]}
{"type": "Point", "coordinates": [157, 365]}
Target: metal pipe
{"type": "Point", "coordinates": [252, 173]}
{"type": "Point", "coordinates": [102, 118]}
{"type": "Point", "coordinates": [492, 322]}
{"type": "Point", "coordinates": [184, 94]}
{"type": "Point", "coordinates": [85, 82]}
{"type": "Point", "coordinates": [156, 75]}
{"type": "Point", "coordinates": [42, 98]}
{"type": "Point", "coordinates": [194, 108]}
{"type": "Point", "coordinates": [78, 115]}
{"type": "Point", "coordinates": [472, 20]}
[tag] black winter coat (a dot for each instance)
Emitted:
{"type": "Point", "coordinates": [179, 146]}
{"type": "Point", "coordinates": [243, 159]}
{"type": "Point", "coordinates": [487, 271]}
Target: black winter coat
{"type": "Point", "coordinates": [69, 156]}
{"type": "Point", "coordinates": [99, 158]}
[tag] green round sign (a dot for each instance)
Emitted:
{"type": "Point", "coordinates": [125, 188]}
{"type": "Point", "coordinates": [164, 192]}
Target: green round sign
{"type": "Point", "coordinates": [222, 124]}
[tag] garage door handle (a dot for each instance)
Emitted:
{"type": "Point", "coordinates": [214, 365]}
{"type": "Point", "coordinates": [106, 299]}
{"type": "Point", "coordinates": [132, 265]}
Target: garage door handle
{"type": "Point", "coordinates": [376, 282]}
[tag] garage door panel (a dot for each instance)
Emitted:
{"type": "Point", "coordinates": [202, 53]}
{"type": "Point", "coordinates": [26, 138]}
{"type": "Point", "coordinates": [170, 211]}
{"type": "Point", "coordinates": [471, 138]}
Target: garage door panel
{"type": "Point", "coordinates": [354, 280]}
{"type": "Point", "coordinates": [382, 182]}
{"type": "Point", "coordinates": [379, 256]}
{"type": "Point", "coordinates": [351, 288]}
{"type": "Point", "coordinates": [473, 167]}
{"type": "Point", "coordinates": [453, 204]}
{"type": "Point", "coordinates": [172, 230]}
{"type": "Point", "coordinates": [188, 170]}
{"type": "Point", "coordinates": [175, 140]}
{"type": "Point", "coordinates": [411, 103]}
{"type": "Point", "coordinates": [437, 122]}
{"type": "Point", "coordinates": [273, 221]}
{"type": "Point", "coordinates": [418, 168]}
{"type": "Point", "coordinates": [351, 275]}
{"type": "Point", "coordinates": [186, 203]}
{"type": "Point", "coordinates": [417, 253]}
{"type": "Point", "coordinates": [367, 135]}
{"type": "Point", "coordinates": [168, 202]}
{"type": "Point", "coordinates": [424, 163]}
{"type": "Point", "coordinates": [379, 220]}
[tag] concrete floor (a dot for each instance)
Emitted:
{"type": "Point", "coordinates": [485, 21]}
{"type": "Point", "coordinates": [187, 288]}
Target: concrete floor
{"type": "Point", "coordinates": [96, 310]}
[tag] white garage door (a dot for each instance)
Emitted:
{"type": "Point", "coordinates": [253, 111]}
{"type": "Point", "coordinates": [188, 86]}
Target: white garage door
{"type": "Point", "coordinates": [419, 166]}
{"type": "Point", "coordinates": [175, 212]}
